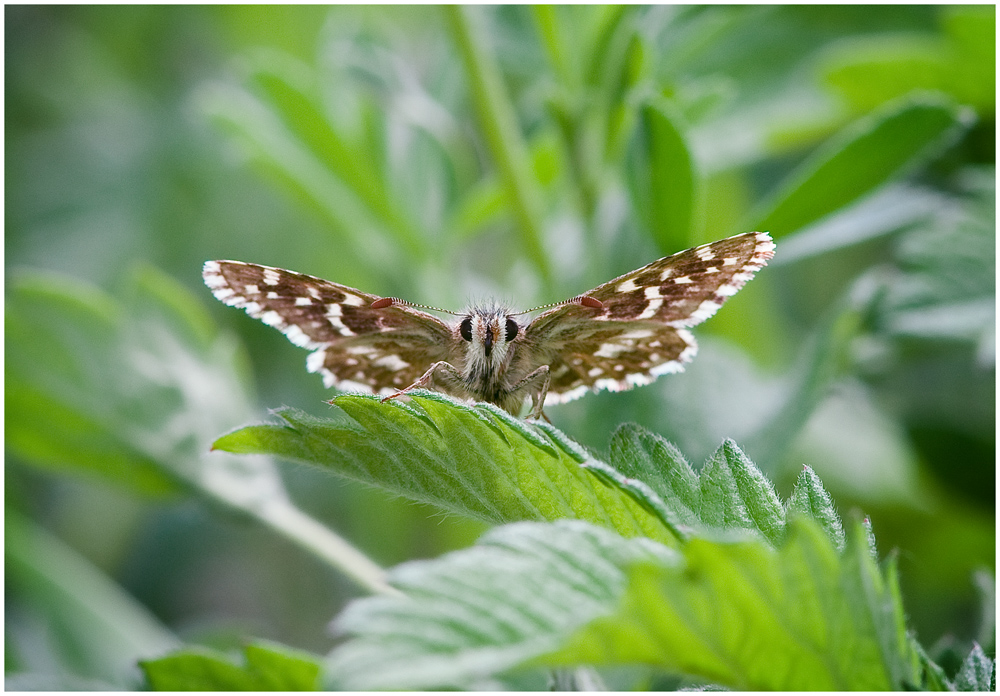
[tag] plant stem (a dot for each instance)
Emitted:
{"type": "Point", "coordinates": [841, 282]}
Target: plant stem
{"type": "Point", "coordinates": [294, 524]}
{"type": "Point", "coordinates": [499, 124]}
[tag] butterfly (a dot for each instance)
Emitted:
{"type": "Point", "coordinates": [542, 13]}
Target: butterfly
{"type": "Point", "coordinates": [621, 334]}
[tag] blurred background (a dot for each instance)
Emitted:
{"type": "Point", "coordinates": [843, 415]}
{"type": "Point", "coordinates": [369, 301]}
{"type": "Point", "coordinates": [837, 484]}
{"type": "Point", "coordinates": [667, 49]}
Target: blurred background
{"type": "Point", "coordinates": [443, 156]}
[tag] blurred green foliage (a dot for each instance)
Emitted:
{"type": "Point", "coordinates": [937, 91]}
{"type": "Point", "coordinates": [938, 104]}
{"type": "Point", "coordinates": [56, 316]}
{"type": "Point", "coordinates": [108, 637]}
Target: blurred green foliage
{"type": "Point", "coordinates": [444, 154]}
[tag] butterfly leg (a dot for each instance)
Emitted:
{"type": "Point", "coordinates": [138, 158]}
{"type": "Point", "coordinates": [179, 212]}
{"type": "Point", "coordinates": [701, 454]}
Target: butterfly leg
{"type": "Point", "coordinates": [446, 373]}
{"type": "Point", "coordinates": [536, 383]}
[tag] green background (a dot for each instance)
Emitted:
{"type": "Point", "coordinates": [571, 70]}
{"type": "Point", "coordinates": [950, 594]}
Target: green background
{"type": "Point", "coordinates": [443, 157]}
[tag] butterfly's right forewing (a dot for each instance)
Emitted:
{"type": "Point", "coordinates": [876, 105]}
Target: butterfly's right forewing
{"type": "Point", "coordinates": [355, 346]}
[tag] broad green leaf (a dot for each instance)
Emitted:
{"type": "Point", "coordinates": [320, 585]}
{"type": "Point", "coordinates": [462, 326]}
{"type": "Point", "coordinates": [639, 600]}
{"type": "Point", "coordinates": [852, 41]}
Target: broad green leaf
{"type": "Point", "coordinates": [736, 612]}
{"type": "Point", "coordinates": [933, 676]}
{"type": "Point", "coordinates": [477, 612]}
{"type": "Point", "coordinates": [476, 461]}
{"type": "Point", "coordinates": [101, 630]}
{"type": "Point", "coordinates": [661, 177]}
{"type": "Point", "coordinates": [729, 493]}
{"type": "Point", "coordinates": [867, 154]}
{"type": "Point", "coordinates": [269, 667]}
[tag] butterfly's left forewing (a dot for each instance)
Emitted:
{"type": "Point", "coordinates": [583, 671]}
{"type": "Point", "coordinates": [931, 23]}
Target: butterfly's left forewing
{"type": "Point", "coordinates": [640, 329]}
{"type": "Point", "coordinates": [355, 346]}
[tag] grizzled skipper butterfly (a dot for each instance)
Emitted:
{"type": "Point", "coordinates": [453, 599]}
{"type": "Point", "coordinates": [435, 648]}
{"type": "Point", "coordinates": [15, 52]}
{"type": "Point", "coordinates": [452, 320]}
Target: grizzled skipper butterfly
{"type": "Point", "coordinates": [621, 334]}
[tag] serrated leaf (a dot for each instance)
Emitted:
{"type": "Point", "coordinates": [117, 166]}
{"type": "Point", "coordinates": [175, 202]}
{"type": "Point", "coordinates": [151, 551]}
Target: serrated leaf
{"type": "Point", "coordinates": [810, 498]}
{"type": "Point", "coordinates": [738, 613]}
{"type": "Point", "coordinates": [640, 454]}
{"type": "Point", "coordinates": [269, 667]}
{"type": "Point", "coordinates": [734, 493]}
{"type": "Point", "coordinates": [476, 612]}
{"type": "Point", "coordinates": [977, 672]}
{"type": "Point", "coordinates": [472, 460]}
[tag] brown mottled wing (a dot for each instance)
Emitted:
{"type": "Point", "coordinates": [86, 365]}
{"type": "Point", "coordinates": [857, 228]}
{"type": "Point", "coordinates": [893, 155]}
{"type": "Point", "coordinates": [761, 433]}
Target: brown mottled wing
{"type": "Point", "coordinates": [354, 346]}
{"type": "Point", "coordinates": [640, 332]}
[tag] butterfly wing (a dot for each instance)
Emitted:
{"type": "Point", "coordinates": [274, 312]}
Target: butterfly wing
{"type": "Point", "coordinates": [640, 331]}
{"type": "Point", "coordinates": [354, 346]}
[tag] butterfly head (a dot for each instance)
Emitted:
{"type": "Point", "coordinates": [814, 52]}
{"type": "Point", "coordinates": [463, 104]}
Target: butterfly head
{"type": "Point", "coordinates": [488, 333]}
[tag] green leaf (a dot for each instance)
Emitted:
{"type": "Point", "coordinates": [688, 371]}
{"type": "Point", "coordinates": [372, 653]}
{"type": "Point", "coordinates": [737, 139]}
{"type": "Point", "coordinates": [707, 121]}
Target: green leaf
{"type": "Point", "coordinates": [867, 154]}
{"type": "Point", "coordinates": [734, 493]}
{"type": "Point", "coordinates": [476, 612]}
{"type": "Point", "coordinates": [735, 612]}
{"type": "Point", "coordinates": [269, 667]}
{"type": "Point", "coordinates": [64, 348]}
{"type": "Point", "coordinates": [978, 672]}
{"type": "Point", "coordinates": [498, 120]}
{"type": "Point", "coordinates": [810, 498]}
{"type": "Point", "coordinates": [477, 461]}
{"type": "Point", "coordinates": [287, 87]}
{"type": "Point", "coordinates": [134, 393]}
{"type": "Point", "coordinates": [661, 177]}
{"type": "Point", "coordinates": [100, 629]}
{"type": "Point", "coordinates": [946, 279]}
{"type": "Point", "coordinates": [869, 70]}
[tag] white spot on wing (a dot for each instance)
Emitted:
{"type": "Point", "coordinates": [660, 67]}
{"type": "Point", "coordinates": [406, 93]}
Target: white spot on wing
{"type": "Point", "coordinates": [651, 309]}
{"type": "Point", "coordinates": [627, 286]}
{"type": "Point", "coordinates": [271, 277]}
{"type": "Point", "coordinates": [302, 301]}
{"type": "Point", "coordinates": [392, 363]}
{"type": "Point", "coordinates": [610, 350]}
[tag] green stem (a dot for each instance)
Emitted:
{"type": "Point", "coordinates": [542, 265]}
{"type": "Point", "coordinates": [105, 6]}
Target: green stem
{"type": "Point", "coordinates": [294, 524]}
{"type": "Point", "coordinates": [503, 137]}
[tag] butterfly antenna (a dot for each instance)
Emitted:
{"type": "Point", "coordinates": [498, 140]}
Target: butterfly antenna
{"type": "Point", "coordinates": [583, 300]}
{"type": "Point", "coordinates": [385, 302]}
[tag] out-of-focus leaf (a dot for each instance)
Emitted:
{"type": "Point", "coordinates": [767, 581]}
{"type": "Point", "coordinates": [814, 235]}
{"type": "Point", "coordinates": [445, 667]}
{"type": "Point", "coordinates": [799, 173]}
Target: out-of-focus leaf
{"type": "Point", "coordinates": [870, 70]}
{"type": "Point", "coordinates": [62, 340]}
{"type": "Point", "coordinates": [861, 158]}
{"type": "Point", "coordinates": [498, 120]}
{"type": "Point", "coordinates": [138, 398]}
{"type": "Point", "coordinates": [893, 208]}
{"type": "Point", "coordinates": [262, 135]}
{"type": "Point", "coordinates": [269, 667]}
{"type": "Point", "coordinates": [947, 279]}
{"type": "Point", "coordinates": [738, 613]}
{"type": "Point", "coordinates": [661, 177]}
{"type": "Point", "coordinates": [100, 630]}
{"type": "Point", "coordinates": [285, 86]}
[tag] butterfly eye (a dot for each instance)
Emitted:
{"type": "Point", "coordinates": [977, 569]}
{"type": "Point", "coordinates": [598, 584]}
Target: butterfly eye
{"type": "Point", "coordinates": [466, 328]}
{"type": "Point", "coordinates": [512, 329]}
